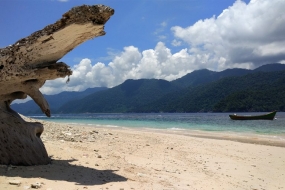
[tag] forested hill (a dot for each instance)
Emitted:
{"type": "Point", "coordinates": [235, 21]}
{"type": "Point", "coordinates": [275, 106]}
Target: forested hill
{"type": "Point", "coordinates": [205, 76]}
{"type": "Point", "coordinates": [199, 91]}
{"type": "Point", "coordinates": [55, 101]}
{"type": "Point", "coordinates": [261, 89]}
{"type": "Point", "coordinates": [122, 98]}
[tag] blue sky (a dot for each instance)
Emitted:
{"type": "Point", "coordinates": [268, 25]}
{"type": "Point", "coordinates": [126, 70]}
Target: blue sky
{"type": "Point", "coordinates": [163, 39]}
{"type": "Point", "coordinates": [140, 23]}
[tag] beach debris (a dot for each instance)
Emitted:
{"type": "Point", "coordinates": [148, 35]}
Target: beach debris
{"type": "Point", "coordinates": [24, 68]}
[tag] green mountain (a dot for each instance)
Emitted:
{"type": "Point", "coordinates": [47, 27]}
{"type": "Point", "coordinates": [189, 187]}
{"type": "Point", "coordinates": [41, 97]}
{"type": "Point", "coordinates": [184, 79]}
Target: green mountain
{"type": "Point", "coordinates": [205, 76]}
{"type": "Point", "coordinates": [261, 91]}
{"type": "Point", "coordinates": [122, 98]}
{"type": "Point", "coordinates": [268, 95]}
{"type": "Point", "coordinates": [55, 101]}
{"type": "Point", "coordinates": [200, 91]}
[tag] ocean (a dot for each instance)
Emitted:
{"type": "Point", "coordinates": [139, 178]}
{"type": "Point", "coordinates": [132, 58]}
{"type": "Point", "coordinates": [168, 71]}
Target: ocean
{"type": "Point", "coordinates": [218, 122]}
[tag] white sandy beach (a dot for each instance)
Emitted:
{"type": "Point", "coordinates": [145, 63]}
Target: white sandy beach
{"type": "Point", "coordinates": [119, 158]}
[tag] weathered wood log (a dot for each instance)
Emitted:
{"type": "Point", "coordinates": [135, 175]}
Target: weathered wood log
{"type": "Point", "coordinates": [24, 68]}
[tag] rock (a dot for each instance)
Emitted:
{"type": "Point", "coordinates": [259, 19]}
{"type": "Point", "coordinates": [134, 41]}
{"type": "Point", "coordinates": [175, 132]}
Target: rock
{"type": "Point", "coordinates": [36, 185]}
{"type": "Point", "coordinates": [15, 182]}
{"type": "Point", "coordinates": [24, 68]}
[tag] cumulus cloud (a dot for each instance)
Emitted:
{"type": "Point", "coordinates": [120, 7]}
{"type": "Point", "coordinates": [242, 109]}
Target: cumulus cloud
{"type": "Point", "coordinates": [244, 35]}
{"type": "Point", "coordinates": [157, 63]}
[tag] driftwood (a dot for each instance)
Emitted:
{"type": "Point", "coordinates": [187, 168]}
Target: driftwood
{"type": "Point", "coordinates": [24, 68]}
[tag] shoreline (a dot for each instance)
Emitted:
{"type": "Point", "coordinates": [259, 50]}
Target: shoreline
{"type": "Point", "coordinates": [243, 137]}
{"type": "Point", "coordinates": [85, 157]}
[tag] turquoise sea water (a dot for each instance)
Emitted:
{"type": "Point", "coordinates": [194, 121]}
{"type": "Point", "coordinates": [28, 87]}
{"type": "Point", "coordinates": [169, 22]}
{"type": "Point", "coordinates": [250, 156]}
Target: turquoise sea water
{"type": "Point", "coordinates": [219, 122]}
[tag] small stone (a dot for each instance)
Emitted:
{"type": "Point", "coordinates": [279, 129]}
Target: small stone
{"type": "Point", "coordinates": [36, 185]}
{"type": "Point", "coordinates": [99, 156]}
{"type": "Point", "coordinates": [15, 182]}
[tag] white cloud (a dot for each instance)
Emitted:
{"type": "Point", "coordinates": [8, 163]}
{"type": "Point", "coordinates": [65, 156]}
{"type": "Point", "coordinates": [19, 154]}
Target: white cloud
{"type": "Point", "coordinates": [163, 24]}
{"type": "Point", "coordinates": [176, 42]}
{"type": "Point", "coordinates": [157, 63]}
{"type": "Point", "coordinates": [160, 31]}
{"type": "Point", "coordinates": [248, 35]}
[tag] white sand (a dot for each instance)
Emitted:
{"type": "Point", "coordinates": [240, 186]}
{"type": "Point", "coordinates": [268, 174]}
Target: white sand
{"type": "Point", "coordinates": [113, 158]}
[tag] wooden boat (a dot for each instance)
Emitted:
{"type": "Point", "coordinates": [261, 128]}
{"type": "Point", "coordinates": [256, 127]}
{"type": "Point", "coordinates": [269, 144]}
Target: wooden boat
{"type": "Point", "coordinates": [269, 116]}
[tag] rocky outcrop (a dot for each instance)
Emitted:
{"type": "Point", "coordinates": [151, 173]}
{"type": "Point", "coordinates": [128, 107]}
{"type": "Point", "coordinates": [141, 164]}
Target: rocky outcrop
{"type": "Point", "coordinates": [24, 68]}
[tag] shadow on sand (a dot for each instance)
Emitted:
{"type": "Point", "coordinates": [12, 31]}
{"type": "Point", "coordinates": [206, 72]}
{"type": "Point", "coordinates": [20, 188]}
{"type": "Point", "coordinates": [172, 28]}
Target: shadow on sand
{"type": "Point", "coordinates": [62, 170]}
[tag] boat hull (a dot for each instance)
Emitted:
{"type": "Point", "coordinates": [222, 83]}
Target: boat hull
{"type": "Point", "coordinates": [269, 116]}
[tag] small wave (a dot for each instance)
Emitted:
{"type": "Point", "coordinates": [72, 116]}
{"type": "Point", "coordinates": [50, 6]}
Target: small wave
{"type": "Point", "coordinates": [154, 129]}
{"type": "Point", "coordinates": [111, 126]}
{"type": "Point", "coordinates": [73, 123]}
{"type": "Point", "coordinates": [176, 129]}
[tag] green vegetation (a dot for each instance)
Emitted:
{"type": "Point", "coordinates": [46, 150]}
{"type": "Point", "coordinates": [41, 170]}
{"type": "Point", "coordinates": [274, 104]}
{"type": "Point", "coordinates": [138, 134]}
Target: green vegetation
{"type": "Point", "coordinates": [55, 101]}
{"type": "Point", "coordinates": [122, 98]}
{"type": "Point", "coordinates": [267, 96]}
{"type": "Point", "coordinates": [232, 90]}
{"type": "Point", "coordinates": [262, 91]}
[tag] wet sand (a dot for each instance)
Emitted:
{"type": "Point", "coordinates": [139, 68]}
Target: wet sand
{"type": "Point", "coordinates": [121, 158]}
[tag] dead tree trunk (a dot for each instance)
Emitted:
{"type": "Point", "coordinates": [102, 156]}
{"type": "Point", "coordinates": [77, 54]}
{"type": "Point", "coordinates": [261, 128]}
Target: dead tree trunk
{"type": "Point", "coordinates": [24, 68]}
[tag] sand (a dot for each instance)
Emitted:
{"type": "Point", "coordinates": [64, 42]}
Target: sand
{"type": "Point", "coordinates": [121, 158]}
